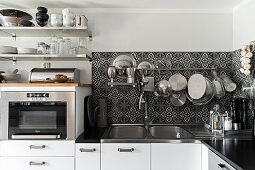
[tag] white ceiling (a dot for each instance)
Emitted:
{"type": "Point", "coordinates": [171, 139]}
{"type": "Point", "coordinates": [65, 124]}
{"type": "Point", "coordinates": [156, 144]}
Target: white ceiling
{"type": "Point", "coordinates": [150, 4]}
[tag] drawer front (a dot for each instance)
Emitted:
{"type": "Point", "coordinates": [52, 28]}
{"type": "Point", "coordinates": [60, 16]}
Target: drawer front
{"type": "Point", "coordinates": [128, 156]}
{"type": "Point", "coordinates": [37, 148]}
{"type": "Point", "coordinates": [216, 163]}
{"type": "Point", "coordinates": [37, 163]}
{"type": "Point", "coordinates": [87, 155]}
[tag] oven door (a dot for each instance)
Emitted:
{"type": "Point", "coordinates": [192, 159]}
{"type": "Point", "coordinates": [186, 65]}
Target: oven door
{"type": "Point", "coordinates": [37, 120]}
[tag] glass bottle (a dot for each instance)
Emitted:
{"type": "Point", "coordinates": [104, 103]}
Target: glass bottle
{"type": "Point", "coordinates": [217, 122]}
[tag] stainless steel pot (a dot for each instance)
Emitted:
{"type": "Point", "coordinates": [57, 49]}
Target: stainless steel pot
{"type": "Point", "coordinates": [178, 98]}
{"type": "Point", "coordinates": [178, 82]}
{"type": "Point", "coordinates": [163, 89]}
{"type": "Point", "coordinates": [209, 94]}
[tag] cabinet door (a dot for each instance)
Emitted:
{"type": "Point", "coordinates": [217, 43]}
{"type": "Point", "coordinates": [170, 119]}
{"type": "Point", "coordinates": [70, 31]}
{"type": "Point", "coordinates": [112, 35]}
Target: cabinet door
{"type": "Point", "coordinates": [37, 148]}
{"type": "Point", "coordinates": [37, 163]}
{"type": "Point", "coordinates": [120, 156]}
{"type": "Point", "coordinates": [181, 156]}
{"type": "Point", "coordinates": [216, 163]}
{"type": "Point", "coordinates": [88, 156]}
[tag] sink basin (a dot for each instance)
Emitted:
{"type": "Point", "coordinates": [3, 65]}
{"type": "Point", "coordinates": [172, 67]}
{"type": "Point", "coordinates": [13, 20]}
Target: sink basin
{"type": "Point", "coordinates": [169, 132]}
{"type": "Point", "coordinates": [127, 132]}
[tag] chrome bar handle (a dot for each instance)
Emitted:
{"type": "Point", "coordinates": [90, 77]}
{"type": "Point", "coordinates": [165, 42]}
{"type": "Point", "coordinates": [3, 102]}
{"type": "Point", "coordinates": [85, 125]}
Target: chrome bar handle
{"type": "Point", "coordinates": [87, 150]}
{"type": "Point", "coordinates": [37, 147]}
{"type": "Point", "coordinates": [37, 163]}
{"type": "Point", "coordinates": [222, 167]}
{"type": "Point", "coordinates": [126, 150]}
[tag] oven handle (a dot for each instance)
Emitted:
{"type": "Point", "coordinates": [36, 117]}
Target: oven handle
{"type": "Point", "coordinates": [37, 147]}
{"type": "Point", "coordinates": [19, 136]}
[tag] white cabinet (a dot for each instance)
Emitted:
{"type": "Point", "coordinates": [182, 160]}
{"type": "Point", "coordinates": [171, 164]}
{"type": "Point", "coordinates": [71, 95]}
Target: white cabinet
{"type": "Point", "coordinates": [216, 163]}
{"type": "Point", "coordinates": [36, 163]}
{"type": "Point", "coordinates": [87, 156]}
{"type": "Point", "coordinates": [180, 156]}
{"type": "Point", "coordinates": [122, 156]}
{"type": "Point", "coordinates": [37, 155]}
{"type": "Point", "coordinates": [36, 148]}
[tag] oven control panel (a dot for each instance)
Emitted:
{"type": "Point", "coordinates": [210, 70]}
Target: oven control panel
{"type": "Point", "coordinates": [37, 95]}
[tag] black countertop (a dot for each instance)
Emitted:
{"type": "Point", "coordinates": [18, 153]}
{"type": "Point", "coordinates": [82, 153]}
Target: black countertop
{"type": "Point", "coordinates": [237, 152]}
{"type": "Point", "coordinates": [91, 136]}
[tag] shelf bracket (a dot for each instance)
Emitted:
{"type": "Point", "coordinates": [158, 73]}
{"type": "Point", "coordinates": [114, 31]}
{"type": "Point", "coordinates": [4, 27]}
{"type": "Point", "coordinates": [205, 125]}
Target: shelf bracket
{"type": "Point", "coordinates": [14, 36]}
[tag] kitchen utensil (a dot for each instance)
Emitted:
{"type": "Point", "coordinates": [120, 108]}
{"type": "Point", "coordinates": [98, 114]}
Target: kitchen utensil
{"type": "Point", "coordinates": [15, 71]}
{"type": "Point", "coordinates": [1, 77]}
{"type": "Point", "coordinates": [83, 44]}
{"type": "Point", "coordinates": [42, 17]}
{"type": "Point", "coordinates": [244, 113]}
{"type": "Point", "coordinates": [9, 21]}
{"type": "Point", "coordinates": [11, 78]}
{"type": "Point", "coordinates": [218, 85]}
{"type": "Point", "coordinates": [163, 88]}
{"type": "Point", "coordinates": [236, 109]}
{"type": "Point", "coordinates": [111, 72]}
{"type": "Point", "coordinates": [101, 111]}
{"type": "Point", "coordinates": [123, 61]}
{"type": "Point", "coordinates": [130, 75]}
{"type": "Point", "coordinates": [209, 94]}
{"type": "Point", "coordinates": [8, 50]}
{"type": "Point", "coordinates": [178, 82]}
{"type": "Point", "coordinates": [197, 86]}
{"type": "Point", "coordinates": [229, 85]}
{"type": "Point", "coordinates": [15, 13]}
{"type": "Point", "coordinates": [42, 10]}
{"type": "Point", "coordinates": [25, 23]}
{"type": "Point", "coordinates": [89, 117]}
{"type": "Point", "coordinates": [27, 50]}
{"type": "Point", "coordinates": [56, 20]}
{"type": "Point", "coordinates": [81, 21]}
{"type": "Point", "coordinates": [68, 17]}
{"type": "Point", "coordinates": [236, 126]}
{"type": "Point", "coordinates": [178, 98]}
{"type": "Point", "coordinates": [146, 68]}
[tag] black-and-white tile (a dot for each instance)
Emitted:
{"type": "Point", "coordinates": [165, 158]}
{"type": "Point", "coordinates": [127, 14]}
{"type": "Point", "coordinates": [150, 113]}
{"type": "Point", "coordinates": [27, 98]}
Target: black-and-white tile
{"type": "Point", "coordinates": [123, 101]}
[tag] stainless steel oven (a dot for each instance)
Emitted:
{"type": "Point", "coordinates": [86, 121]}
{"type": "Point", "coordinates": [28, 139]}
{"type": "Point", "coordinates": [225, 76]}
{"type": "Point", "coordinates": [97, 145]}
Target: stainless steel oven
{"type": "Point", "coordinates": [38, 115]}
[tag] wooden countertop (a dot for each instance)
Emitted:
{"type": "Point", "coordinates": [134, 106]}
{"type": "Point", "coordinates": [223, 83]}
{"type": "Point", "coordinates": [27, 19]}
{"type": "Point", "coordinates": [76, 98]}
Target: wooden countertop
{"type": "Point", "coordinates": [44, 84]}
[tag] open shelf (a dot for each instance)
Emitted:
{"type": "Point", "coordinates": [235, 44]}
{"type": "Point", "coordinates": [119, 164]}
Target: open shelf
{"type": "Point", "coordinates": [38, 57]}
{"type": "Point", "coordinates": [45, 31]}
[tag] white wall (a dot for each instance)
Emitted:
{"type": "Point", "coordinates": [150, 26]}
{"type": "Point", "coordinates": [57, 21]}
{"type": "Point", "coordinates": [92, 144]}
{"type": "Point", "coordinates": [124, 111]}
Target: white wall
{"type": "Point", "coordinates": [161, 31]}
{"type": "Point", "coordinates": [125, 30]}
{"type": "Point", "coordinates": [244, 25]}
{"type": "Point", "coordinates": [154, 30]}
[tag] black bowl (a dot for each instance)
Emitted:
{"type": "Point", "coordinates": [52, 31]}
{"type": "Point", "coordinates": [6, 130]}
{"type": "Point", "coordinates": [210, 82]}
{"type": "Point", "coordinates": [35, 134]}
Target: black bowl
{"type": "Point", "coordinates": [42, 17]}
{"type": "Point", "coordinates": [16, 13]}
{"type": "Point", "coordinates": [42, 9]}
{"type": "Point", "coordinates": [25, 23]}
{"type": "Point", "coordinates": [42, 24]}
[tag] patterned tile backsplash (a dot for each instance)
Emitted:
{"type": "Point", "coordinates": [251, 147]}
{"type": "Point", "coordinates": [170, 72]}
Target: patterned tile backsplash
{"type": "Point", "coordinates": [123, 101]}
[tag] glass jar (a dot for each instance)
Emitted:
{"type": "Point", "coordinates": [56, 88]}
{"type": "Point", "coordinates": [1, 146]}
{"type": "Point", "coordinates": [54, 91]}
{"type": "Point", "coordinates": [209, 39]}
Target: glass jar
{"type": "Point", "coordinates": [41, 48]}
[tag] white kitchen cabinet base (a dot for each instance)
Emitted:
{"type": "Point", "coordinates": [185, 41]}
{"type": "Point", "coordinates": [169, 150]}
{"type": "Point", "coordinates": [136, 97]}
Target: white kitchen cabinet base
{"type": "Point", "coordinates": [87, 156]}
{"type": "Point", "coordinates": [120, 156]}
{"type": "Point", "coordinates": [175, 156]}
{"type": "Point", "coordinates": [37, 163]}
{"type": "Point", "coordinates": [36, 148]}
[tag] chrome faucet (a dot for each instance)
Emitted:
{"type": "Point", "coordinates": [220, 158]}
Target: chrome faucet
{"type": "Point", "coordinates": [143, 100]}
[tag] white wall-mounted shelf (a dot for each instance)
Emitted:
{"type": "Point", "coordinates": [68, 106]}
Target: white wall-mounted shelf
{"type": "Point", "coordinates": [38, 57]}
{"type": "Point", "coordinates": [45, 31]}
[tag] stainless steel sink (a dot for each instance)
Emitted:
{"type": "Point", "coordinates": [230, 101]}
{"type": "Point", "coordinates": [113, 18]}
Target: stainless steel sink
{"type": "Point", "coordinates": [169, 132]}
{"type": "Point", "coordinates": [127, 132]}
